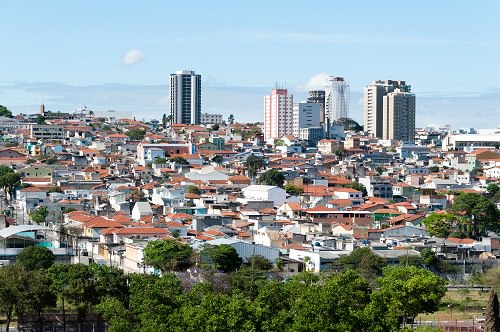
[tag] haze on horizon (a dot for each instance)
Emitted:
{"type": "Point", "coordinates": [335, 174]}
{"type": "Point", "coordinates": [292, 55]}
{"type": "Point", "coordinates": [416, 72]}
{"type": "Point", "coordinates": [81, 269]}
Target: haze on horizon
{"type": "Point", "coordinates": [118, 55]}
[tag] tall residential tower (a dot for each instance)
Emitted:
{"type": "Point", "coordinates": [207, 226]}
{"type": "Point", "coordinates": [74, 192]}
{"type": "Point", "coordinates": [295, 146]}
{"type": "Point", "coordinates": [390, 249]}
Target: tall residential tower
{"type": "Point", "coordinates": [389, 110]}
{"type": "Point", "coordinates": [336, 99]}
{"type": "Point", "coordinates": [185, 97]}
{"type": "Point", "coordinates": [278, 114]}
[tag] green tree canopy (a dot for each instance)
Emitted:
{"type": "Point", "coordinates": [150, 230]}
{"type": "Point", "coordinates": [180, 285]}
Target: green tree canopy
{"type": "Point", "coordinates": [136, 134]}
{"type": "Point", "coordinates": [410, 290]}
{"type": "Point", "coordinates": [254, 164]}
{"type": "Point", "coordinates": [8, 180]}
{"type": "Point", "coordinates": [348, 124]}
{"type": "Point", "coordinates": [179, 160]}
{"type": "Point", "coordinates": [440, 224]}
{"type": "Point", "coordinates": [5, 112]}
{"type": "Point", "coordinates": [293, 189]}
{"type": "Point", "coordinates": [40, 119]}
{"type": "Point", "coordinates": [479, 215]}
{"type": "Point", "coordinates": [168, 255]}
{"type": "Point", "coordinates": [36, 258]}
{"type": "Point", "coordinates": [192, 189]}
{"type": "Point", "coordinates": [39, 215]}
{"type": "Point", "coordinates": [222, 257]}
{"type": "Point", "coordinates": [272, 177]}
{"type": "Point", "coordinates": [364, 261]}
{"type": "Point", "coordinates": [259, 262]}
{"type": "Point", "coordinates": [429, 257]}
{"type": "Point", "coordinates": [359, 187]}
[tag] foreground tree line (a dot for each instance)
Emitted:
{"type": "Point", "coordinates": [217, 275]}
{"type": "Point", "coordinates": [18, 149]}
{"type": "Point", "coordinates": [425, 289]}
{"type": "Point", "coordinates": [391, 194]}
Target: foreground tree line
{"type": "Point", "coordinates": [246, 299]}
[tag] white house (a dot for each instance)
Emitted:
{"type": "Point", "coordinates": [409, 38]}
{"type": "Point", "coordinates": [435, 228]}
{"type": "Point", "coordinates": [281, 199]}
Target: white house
{"type": "Point", "coordinates": [141, 209]}
{"type": "Point", "coordinates": [493, 172]}
{"type": "Point", "coordinates": [265, 193]}
{"type": "Point", "coordinates": [206, 174]}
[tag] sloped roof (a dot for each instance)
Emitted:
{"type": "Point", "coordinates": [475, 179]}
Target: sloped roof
{"type": "Point", "coordinates": [9, 231]}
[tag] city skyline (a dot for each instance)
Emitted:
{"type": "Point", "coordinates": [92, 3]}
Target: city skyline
{"type": "Point", "coordinates": [119, 55]}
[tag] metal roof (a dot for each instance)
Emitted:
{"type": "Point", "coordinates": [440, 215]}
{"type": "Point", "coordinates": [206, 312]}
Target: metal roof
{"type": "Point", "coordinates": [9, 231]}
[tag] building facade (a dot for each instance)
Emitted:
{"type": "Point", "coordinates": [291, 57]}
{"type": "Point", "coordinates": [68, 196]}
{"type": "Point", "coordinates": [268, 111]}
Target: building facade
{"type": "Point", "coordinates": [305, 115]}
{"type": "Point", "coordinates": [318, 97]}
{"type": "Point", "coordinates": [337, 96]}
{"type": "Point", "coordinates": [185, 97]}
{"type": "Point", "coordinates": [387, 105]}
{"type": "Point", "coordinates": [208, 119]}
{"type": "Point", "coordinates": [278, 114]}
{"type": "Point", "coordinates": [38, 131]}
{"type": "Point", "coordinates": [399, 116]}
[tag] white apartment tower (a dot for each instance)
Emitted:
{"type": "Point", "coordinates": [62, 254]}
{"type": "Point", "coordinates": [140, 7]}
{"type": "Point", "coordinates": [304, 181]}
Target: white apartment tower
{"type": "Point", "coordinates": [185, 97]}
{"type": "Point", "coordinates": [336, 99]}
{"type": "Point", "coordinates": [305, 115]}
{"type": "Point", "coordinates": [278, 114]}
{"type": "Point", "coordinates": [389, 110]}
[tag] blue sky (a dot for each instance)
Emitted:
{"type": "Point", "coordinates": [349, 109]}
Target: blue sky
{"type": "Point", "coordinates": [119, 54]}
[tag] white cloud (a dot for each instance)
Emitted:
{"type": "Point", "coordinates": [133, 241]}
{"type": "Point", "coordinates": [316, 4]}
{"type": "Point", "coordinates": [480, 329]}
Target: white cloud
{"type": "Point", "coordinates": [132, 57]}
{"type": "Point", "coordinates": [317, 82]}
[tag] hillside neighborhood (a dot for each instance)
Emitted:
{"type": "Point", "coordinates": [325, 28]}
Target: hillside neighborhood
{"type": "Point", "coordinates": [115, 184]}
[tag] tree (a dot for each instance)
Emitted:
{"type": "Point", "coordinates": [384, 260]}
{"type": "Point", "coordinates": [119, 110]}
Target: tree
{"type": "Point", "coordinates": [492, 321]}
{"type": "Point", "coordinates": [492, 278]}
{"type": "Point", "coordinates": [10, 292]}
{"type": "Point", "coordinates": [359, 187]}
{"type": "Point", "coordinates": [379, 169]}
{"type": "Point", "coordinates": [164, 121]}
{"type": "Point", "coordinates": [168, 255]}
{"type": "Point", "coordinates": [40, 119]}
{"type": "Point", "coordinates": [272, 177]}
{"type": "Point", "coordinates": [217, 159]}
{"type": "Point", "coordinates": [364, 261]}
{"type": "Point", "coordinates": [192, 189]}
{"type": "Point", "coordinates": [230, 119]}
{"type": "Point", "coordinates": [179, 160]}
{"type": "Point", "coordinates": [5, 112]}
{"type": "Point", "coordinates": [110, 281]}
{"type": "Point", "coordinates": [222, 257]}
{"type": "Point", "coordinates": [136, 134]}
{"type": "Point", "coordinates": [348, 124]}
{"type": "Point", "coordinates": [116, 314]}
{"type": "Point", "coordinates": [8, 180]}
{"type": "Point", "coordinates": [36, 258]}
{"type": "Point", "coordinates": [293, 189]}
{"type": "Point", "coordinates": [259, 262]}
{"type": "Point", "coordinates": [215, 127]}
{"type": "Point", "coordinates": [429, 257]}
{"type": "Point", "coordinates": [410, 291]}
{"type": "Point", "coordinates": [39, 215]}
{"type": "Point", "coordinates": [253, 165]}
{"type": "Point", "coordinates": [480, 215]}
{"type": "Point", "coordinates": [492, 188]}
{"type": "Point", "coordinates": [434, 169]}
{"type": "Point", "coordinates": [37, 295]}
{"type": "Point", "coordinates": [440, 224]}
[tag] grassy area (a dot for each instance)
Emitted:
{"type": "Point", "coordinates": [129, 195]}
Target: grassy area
{"type": "Point", "coordinates": [459, 305]}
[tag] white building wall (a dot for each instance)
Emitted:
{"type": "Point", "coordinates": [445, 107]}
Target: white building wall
{"type": "Point", "coordinates": [305, 115]}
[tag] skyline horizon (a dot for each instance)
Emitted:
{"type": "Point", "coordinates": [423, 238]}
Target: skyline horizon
{"type": "Point", "coordinates": [114, 54]}
{"type": "Point", "coordinates": [51, 98]}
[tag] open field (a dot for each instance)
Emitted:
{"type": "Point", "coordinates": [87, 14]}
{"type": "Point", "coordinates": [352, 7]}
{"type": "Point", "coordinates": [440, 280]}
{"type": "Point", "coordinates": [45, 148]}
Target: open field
{"type": "Point", "coordinates": [459, 305]}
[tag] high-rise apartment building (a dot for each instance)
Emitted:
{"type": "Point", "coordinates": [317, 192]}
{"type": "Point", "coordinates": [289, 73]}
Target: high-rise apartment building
{"type": "Point", "coordinates": [318, 97]}
{"type": "Point", "coordinates": [185, 97]}
{"type": "Point", "coordinates": [336, 99]}
{"type": "Point", "coordinates": [305, 115]}
{"type": "Point", "coordinates": [399, 116]}
{"type": "Point", "coordinates": [389, 110]}
{"type": "Point", "coordinates": [278, 114]}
